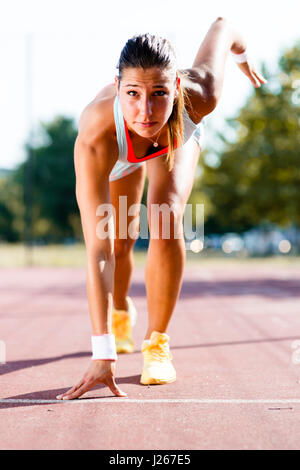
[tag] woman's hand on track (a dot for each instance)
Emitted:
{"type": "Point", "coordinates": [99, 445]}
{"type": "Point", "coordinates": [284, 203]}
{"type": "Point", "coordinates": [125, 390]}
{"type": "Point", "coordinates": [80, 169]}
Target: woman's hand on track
{"type": "Point", "coordinates": [250, 71]}
{"type": "Point", "coordinates": [99, 372]}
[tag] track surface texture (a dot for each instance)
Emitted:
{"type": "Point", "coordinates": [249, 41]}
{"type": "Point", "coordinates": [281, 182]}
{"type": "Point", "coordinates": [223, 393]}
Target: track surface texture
{"type": "Point", "coordinates": [233, 337]}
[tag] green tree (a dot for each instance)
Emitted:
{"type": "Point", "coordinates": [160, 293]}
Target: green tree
{"type": "Point", "coordinates": [48, 179]}
{"type": "Point", "coordinates": [7, 232]}
{"type": "Point", "coordinates": [11, 209]}
{"type": "Point", "coordinates": [257, 178]}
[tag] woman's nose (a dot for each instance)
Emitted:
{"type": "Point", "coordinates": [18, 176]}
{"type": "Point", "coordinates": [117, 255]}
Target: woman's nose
{"type": "Point", "coordinates": [145, 107]}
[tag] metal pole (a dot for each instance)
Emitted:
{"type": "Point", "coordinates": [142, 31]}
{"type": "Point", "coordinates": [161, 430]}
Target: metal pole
{"type": "Point", "coordinates": [28, 166]}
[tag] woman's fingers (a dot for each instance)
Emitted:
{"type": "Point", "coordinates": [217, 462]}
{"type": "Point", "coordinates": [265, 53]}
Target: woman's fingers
{"type": "Point", "coordinates": [69, 392]}
{"type": "Point", "coordinates": [99, 372]}
{"type": "Point", "coordinates": [110, 382]}
{"type": "Point", "coordinates": [260, 77]}
{"type": "Point", "coordinates": [77, 391]}
{"type": "Point", "coordinates": [72, 394]}
{"type": "Point", "coordinates": [256, 78]}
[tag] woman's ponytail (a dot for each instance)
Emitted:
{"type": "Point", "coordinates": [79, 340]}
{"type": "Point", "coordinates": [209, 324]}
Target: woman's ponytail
{"type": "Point", "coordinates": [176, 127]}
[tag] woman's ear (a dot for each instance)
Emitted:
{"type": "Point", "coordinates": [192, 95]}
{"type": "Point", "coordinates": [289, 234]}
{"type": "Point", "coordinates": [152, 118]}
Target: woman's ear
{"type": "Point", "coordinates": [117, 83]}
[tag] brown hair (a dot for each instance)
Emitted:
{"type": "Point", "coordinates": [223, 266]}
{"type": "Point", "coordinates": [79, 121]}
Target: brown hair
{"type": "Point", "coordinates": [147, 51]}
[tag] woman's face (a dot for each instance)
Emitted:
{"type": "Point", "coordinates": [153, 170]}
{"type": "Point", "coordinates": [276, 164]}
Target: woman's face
{"type": "Point", "coordinates": [147, 98]}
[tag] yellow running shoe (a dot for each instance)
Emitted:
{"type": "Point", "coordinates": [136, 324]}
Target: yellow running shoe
{"type": "Point", "coordinates": [122, 322]}
{"type": "Point", "coordinates": [158, 368]}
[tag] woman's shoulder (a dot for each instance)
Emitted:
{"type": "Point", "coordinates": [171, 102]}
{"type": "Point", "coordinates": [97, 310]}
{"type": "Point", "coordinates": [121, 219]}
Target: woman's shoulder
{"type": "Point", "coordinates": [197, 102]}
{"type": "Point", "coordinates": [97, 118]}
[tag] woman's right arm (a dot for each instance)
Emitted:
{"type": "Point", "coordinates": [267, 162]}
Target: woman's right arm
{"type": "Point", "coordinates": [92, 167]}
{"type": "Point", "coordinates": [94, 159]}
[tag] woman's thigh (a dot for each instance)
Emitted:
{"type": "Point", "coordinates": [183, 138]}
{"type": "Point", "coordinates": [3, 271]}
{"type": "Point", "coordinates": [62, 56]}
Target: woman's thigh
{"type": "Point", "coordinates": [175, 186]}
{"type": "Point", "coordinates": [169, 191]}
{"type": "Point", "coordinates": [124, 193]}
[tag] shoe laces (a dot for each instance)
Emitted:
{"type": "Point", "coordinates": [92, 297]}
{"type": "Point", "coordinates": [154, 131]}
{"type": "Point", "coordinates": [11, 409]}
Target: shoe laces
{"type": "Point", "coordinates": [158, 351]}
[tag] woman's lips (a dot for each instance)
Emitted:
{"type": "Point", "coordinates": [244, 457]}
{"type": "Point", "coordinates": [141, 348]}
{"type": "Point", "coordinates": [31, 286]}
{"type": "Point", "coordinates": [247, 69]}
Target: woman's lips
{"type": "Point", "coordinates": [147, 124]}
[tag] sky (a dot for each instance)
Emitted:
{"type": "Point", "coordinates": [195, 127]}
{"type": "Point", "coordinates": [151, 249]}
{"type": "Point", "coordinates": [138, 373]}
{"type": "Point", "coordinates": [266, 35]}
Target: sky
{"type": "Point", "coordinates": [56, 55]}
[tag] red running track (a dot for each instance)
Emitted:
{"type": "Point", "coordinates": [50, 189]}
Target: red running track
{"type": "Point", "coordinates": [233, 339]}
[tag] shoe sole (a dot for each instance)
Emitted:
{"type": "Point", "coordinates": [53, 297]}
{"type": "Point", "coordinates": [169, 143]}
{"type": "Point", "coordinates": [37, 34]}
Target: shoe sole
{"type": "Point", "coordinates": [124, 351]}
{"type": "Point", "coordinates": [153, 381]}
{"type": "Point", "coordinates": [124, 348]}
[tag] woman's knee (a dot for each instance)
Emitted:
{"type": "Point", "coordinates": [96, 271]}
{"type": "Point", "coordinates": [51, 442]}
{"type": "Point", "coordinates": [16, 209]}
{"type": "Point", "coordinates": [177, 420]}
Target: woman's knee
{"type": "Point", "coordinates": [166, 221]}
{"type": "Point", "coordinates": [123, 247]}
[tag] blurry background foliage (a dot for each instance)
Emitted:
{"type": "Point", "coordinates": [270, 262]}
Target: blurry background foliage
{"type": "Point", "coordinates": [256, 179]}
{"type": "Point", "coordinates": [253, 180]}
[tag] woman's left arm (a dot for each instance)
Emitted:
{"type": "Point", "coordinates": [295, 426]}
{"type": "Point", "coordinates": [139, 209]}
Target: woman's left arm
{"type": "Point", "coordinates": [204, 81]}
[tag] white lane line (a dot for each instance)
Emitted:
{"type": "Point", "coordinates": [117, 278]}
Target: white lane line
{"type": "Point", "coordinates": [167, 400]}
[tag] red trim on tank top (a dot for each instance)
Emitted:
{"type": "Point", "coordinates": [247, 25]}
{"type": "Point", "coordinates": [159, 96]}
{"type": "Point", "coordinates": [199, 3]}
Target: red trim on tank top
{"type": "Point", "coordinates": [130, 152]}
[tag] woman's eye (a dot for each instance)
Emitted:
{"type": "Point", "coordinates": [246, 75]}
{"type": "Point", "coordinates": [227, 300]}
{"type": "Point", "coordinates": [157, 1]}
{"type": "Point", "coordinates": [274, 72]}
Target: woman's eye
{"type": "Point", "coordinates": [162, 93]}
{"type": "Point", "coordinates": [132, 91]}
{"type": "Point", "coordinates": [156, 93]}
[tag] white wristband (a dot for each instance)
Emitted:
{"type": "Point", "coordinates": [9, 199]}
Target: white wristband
{"type": "Point", "coordinates": [104, 347]}
{"type": "Point", "coordinates": [240, 58]}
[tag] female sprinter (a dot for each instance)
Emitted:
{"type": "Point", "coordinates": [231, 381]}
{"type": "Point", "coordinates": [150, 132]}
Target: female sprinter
{"type": "Point", "coordinates": [148, 119]}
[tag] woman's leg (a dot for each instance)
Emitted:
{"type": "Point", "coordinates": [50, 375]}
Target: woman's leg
{"type": "Point", "coordinates": [130, 186]}
{"type": "Point", "coordinates": [166, 257]}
